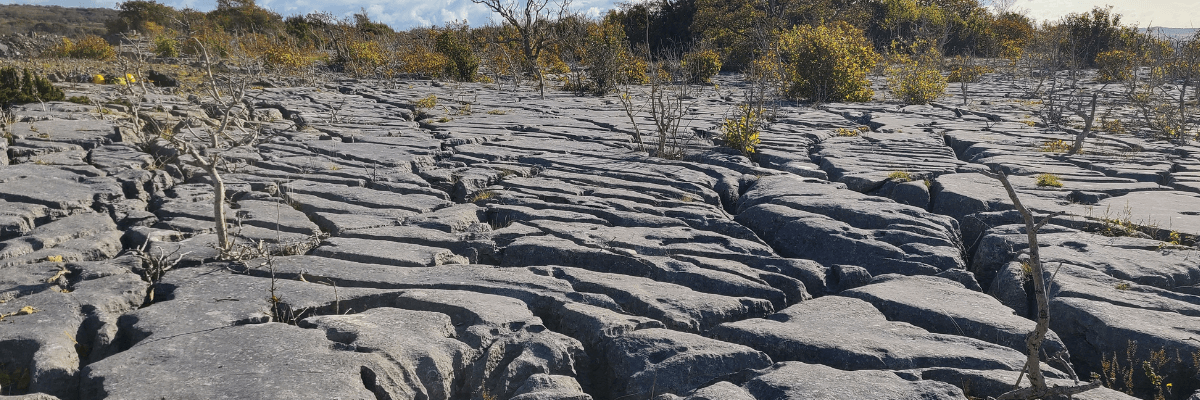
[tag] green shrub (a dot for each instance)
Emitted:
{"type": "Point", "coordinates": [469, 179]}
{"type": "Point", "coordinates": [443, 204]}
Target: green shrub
{"type": "Point", "coordinates": [915, 82]}
{"type": "Point", "coordinates": [143, 16]}
{"type": "Point", "coordinates": [91, 47]}
{"type": "Point", "coordinates": [362, 58]}
{"type": "Point", "coordinates": [166, 46]}
{"type": "Point", "coordinates": [847, 132]}
{"type": "Point", "coordinates": [426, 103]}
{"type": "Point", "coordinates": [964, 71]}
{"type": "Point", "coordinates": [19, 88]}
{"type": "Point", "coordinates": [741, 131]}
{"type": "Point", "coordinates": [1091, 33]}
{"type": "Point", "coordinates": [1049, 180]}
{"type": "Point", "coordinates": [970, 74]}
{"type": "Point", "coordinates": [900, 176]}
{"type": "Point", "coordinates": [1115, 66]}
{"type": "Point", "coordinates": [605, 55]}
{"type": "Point", "coordinates": [463, 65]}
{"type": "Point", "coordinates": [702, 65]}
{"type": "Point", "coordinates": [80, 100]}
{"type": "Point", "coordinates": [827, 63]}
{"type": "Point", "coordinates": [1055, 146]}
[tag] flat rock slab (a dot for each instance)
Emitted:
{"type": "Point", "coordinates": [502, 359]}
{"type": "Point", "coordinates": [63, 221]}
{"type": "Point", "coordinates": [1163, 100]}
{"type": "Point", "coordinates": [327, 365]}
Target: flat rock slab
{"type": "Point", "coordinates": [52, 324]}
{"type": "Point", "coordinates": [1144, 261]}
{"type": "Point", "coordinates": [87, 133]}
{"type": "Point", "coordinates": [1081, 282]}
{"type": "Point", "coordinates": [850, 334]}
{"type": "Point", "coordinates": [382, 155]}
{"type": "Point", "coordinates": [271, 360]}
{"type": "Point", "coordinates": [864, 163]}
{"type": "Point", "coordinates": [422, 345]}
{"type": "Point", "coordinates": [63, 190]}
{"type": "Point", "coordinates": [1094, 329]}
{"type": "Point", "coordinates": [675, 306]}
{"type": "Point", "coordinates": [518, 283]}
{"type": "Point", "coordinates": [57, 232]}
{"type": "Point", "coordinates": [655, 361]}
{"type": "Point", "coordinates": [387, 253]}
{"type": "Point", "coordinates": [820, 222]}
{"type": "Point", "coordinates": [993, 383]}
{"type": "Point", "coordinates": [943, 306]}
{"type": "Point", "coordinates": [1169, 210]}
{"type": "Point", "coordinates": [366, 197]}
{"type": "Point", "coordinates": [797, 380]}
{"type": "Point", "coordinates": [553, 251]}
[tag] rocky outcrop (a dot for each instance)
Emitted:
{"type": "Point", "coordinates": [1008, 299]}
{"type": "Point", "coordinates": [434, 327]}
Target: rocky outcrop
{"type": "Point", "coordinates": [531, 249]}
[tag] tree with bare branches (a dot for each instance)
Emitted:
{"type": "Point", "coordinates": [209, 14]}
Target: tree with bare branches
{"type": "Point", "coordinates": [1038, 388]}
{"type": "Point", "coordinates": [533, 21]}
{"type": "Point", "coordinates": [206, 151]}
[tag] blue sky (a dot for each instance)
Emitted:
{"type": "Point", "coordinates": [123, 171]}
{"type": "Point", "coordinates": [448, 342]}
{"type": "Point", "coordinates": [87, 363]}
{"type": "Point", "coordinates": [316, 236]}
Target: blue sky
{"type": "Point", "coordinates": [403, 14]}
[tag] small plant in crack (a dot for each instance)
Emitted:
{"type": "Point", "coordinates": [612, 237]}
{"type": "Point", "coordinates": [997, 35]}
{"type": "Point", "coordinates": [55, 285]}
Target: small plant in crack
{"type": "Point", "coordinates": [154, 266]}
{"type": "Point", "coordinates": [1049, 180]}
{"type": "Point", "coordinates": [334, 118]}
{"type": "Point", "coordinates": [482, 196]}
{"type": "Point", "coordinates": [900, 176]}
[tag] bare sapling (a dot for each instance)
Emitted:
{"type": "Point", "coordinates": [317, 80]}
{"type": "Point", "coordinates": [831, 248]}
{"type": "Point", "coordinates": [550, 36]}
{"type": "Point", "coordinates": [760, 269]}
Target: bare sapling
{"type": "Point", "coordinates": [667, 100]}
{"type": "Point", "coordinates": [532, 20]}
{"type": "Point", "coordinates": [206, 151]}
{"type": "Point", "coordinates": [1088, 119]}
{"type": "Point", "coordinates": [1038, 388]}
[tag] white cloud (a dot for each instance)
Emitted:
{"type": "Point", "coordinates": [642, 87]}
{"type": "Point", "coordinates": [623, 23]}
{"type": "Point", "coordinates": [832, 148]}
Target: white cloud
{"type": "Point", "coordinates": [1168, 13]}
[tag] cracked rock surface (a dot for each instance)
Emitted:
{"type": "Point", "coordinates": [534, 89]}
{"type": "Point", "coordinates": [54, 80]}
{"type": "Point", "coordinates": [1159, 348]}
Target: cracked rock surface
{"type": "Point", "coordinates": [527, 248]}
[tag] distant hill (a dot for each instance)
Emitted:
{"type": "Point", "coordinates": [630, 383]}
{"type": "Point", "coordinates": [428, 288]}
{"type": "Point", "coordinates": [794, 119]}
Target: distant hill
{"type": "Point", "coordinates": [1173, 32]}
{"type": "Point", "coordinates": [20, 18]}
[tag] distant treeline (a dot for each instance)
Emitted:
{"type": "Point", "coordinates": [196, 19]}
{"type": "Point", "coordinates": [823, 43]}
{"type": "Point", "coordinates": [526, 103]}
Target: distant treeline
{"type": "Point", "coordinates": [19, 18]}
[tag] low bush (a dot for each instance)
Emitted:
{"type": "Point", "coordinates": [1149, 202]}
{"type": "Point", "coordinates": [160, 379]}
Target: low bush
{"type": "Point", "coordinates": [363, 57]}
{"type": "Point", "coordinates": [91, 47]}
{"type": "Point", "coordinates": [964, 71]}
{"type": "Point", "coordinates": [1115, 66]}
{"type": "Point", "coordinates": [426, 103]}
{"type": "Point", "coordinates": [827, 63]}
{"type": "Point", "coordinates": [847, 132]}
{"type": "Point", "coordinates": [462, 63]}
{"type": "Point", "coordinates": [1049, 180]}
{"type": "Point", "coordinates": [702, 65]}
{"type": "Point", "coordinates": [915, 82]}
{"type": "Point", "coordinates": [900, 176]}
{"type": "Point", "coordinates": [1055, 146]}
{"type": "Point", "coordinates": [25, 87]}
{"type": "Point", "coordinates": [166, 47]}
{"type": "Point", "coordinates": [741, 131]}
{"type": "Point", "coordinates": [417, 59]}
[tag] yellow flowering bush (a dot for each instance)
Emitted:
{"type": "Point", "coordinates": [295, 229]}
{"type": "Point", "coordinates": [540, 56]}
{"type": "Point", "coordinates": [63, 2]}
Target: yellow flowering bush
{"type": "Point", "coordinates": [420, 60]}
{"type": "Point", "coordinates": [91, 47]}
{"type": "Point", "coordinates": [702, 65]}
{"type": "Point", "coordinates": [166, 46]}
{"type": "Point", "coordinates": [1115, 66]}
{"type": "Point", "coordinates": [915, 83]}
{"type": "Point", "coordinates": [741, 131]}
{"type": "Point", "coordinates": [827, 63]}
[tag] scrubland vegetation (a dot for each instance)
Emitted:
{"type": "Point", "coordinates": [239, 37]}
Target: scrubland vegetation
{"type": "Point", "coordinates": [654, 57]}
{"type": "Point", "coordinates": [791, 50]}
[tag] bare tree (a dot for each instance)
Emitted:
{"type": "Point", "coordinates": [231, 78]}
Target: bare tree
{"type": "Point", "coordinates": [667, 101]}
{"type": "Point", "coordinates": [1088, 119]}
{"type": "Point", "coordinates": [1162, 97]}
{"type": "Point", "coordinates": [533, 21]}
{"type": "Point", "coordinates": [206, 152]}
{"type": "Point", "coordinates": [1033, 342]}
